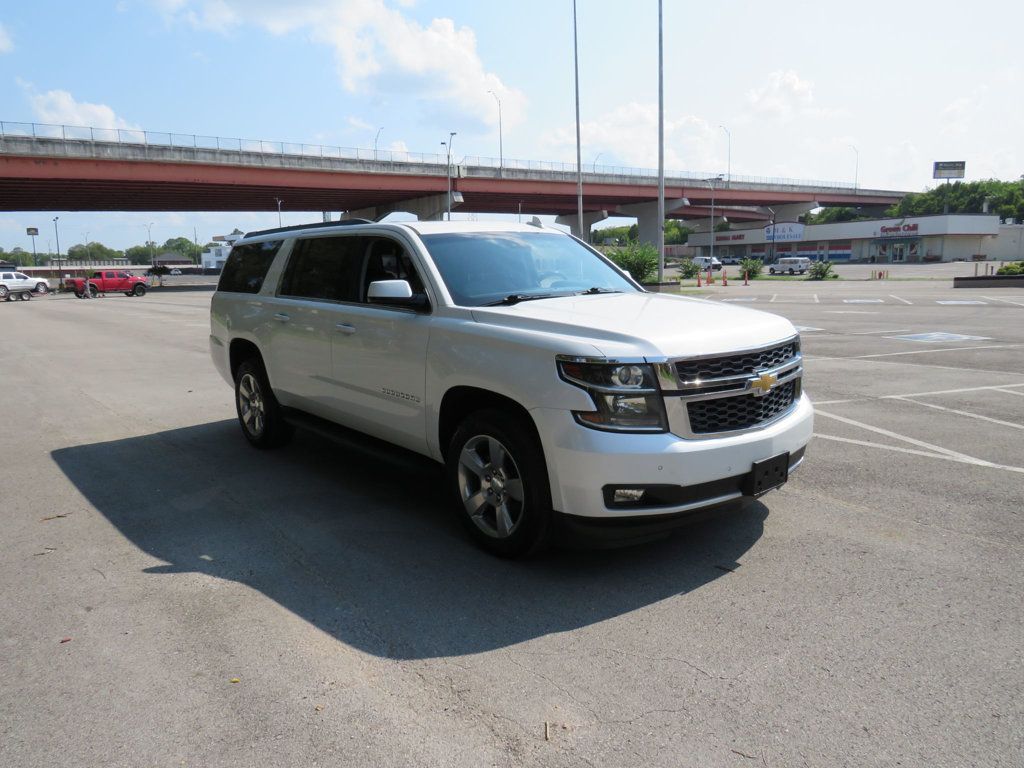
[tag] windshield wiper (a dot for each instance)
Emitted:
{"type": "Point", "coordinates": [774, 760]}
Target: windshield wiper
{"type": "Point", "coordinates": [515, 298]}
{"type": "Point", "coordinates": [595, 289]}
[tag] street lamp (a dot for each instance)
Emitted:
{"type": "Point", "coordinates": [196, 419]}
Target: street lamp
{"type": "Point", "coordinates": [711, 183]}
{"type": "Point", "coordinates": [501, 151]}
{"type": "Point", "coordinates": [771, 256]}
{"type": "Point", "coordinates": [448, 173]}
{"type": "Point", "coordinates": [856, 166]}
{"type": "Point", "coordinates": [88, 253]}
{"type": "Point", "coordinates": [579, 160]}
{"type": "Point", "coordinates": [278, 200]}
{"type": "Point", "coordinates": [57, 234]}
{"type": "Point", "coordinates": [596, 159]}
{"type": "Point", "coordinates": [375, 142]}
{"type": "Point", "coordinates": [149, 239]}
{"type": "Point", "coordinates": [728, 175]}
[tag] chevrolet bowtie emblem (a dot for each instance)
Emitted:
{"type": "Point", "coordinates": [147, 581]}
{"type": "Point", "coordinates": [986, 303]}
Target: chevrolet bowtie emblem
{"type": "Point", "coordinates": [763, 384]}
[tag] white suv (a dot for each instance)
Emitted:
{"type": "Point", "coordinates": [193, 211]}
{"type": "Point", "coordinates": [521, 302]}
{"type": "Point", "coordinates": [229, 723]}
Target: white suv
{"type": "Point", "coordinates": [21, 285]}
{"type": "Point", "coordinates": [558, 394]}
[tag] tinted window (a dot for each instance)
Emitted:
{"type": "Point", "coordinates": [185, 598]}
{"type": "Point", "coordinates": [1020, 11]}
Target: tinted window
{"type": "Point", "coordinates": [247, 265]}
{"type": "Point", "coordinates": [388, 260]}
{"type": "Point", "coordinates": [8, 276]}
{"type": "Point", "coordinates": [325, 268]}
{"type": "Point", "coordinates": [481, 267]}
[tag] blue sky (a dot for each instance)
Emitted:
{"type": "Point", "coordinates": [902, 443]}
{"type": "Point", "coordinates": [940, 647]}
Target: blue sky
{"type": "Point", "coordinates": [796, 84]}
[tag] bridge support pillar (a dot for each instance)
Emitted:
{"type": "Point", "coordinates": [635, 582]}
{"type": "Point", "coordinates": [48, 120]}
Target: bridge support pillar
{"type": "Point", "coordinates": [430, 208]}
{"type": "Point", "coordinates": [589, 220]}
{"type": "Point", "coordinates": [646, 214]}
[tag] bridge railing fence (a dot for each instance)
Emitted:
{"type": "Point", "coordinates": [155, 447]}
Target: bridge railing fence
{"type": "Point", "coordinates": [137, 136]}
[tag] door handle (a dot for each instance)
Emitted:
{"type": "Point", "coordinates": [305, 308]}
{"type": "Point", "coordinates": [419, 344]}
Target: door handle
{"type": "Point", "coordinates": [282, 317]}
{"type": "Point", "coordinates": [345, 328]}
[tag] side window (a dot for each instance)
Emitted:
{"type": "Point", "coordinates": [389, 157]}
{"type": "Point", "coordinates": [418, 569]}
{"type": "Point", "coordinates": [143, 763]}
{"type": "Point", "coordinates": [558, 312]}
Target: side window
{"type": "Point", "coordinates": [8, 276]}
{"type": "Point", "coordinates": [388, 260]}
{"type": "Point", "coordinates": [122, 275]}
{"type": "Point", "coordinates": [247, 265]}
{"type": "Point", "coordinates": [325, 268]}
{"type": "Point", "coordinates": [21, 276]}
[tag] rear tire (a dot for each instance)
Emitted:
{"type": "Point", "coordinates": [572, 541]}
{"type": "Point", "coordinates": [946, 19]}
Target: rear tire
{"type": "Point", "coordinates": [499, 484]}
{"type": "Point", "coordinates": [26, 295]}
{"type": "Point", "coordinates": [259, 413]}
{"type": "Point", "coordinates": [139, 290]}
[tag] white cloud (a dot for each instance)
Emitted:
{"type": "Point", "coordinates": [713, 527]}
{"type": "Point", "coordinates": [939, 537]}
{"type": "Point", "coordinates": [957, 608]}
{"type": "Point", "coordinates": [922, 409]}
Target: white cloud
{"type": "Point", "coordinates": [376, 47]}
{"type": "Point", "coordinates": [359, 124]}
{"type": "Point", "coordinates": [60, 108]}
{"type": "Point", "coordinates": [784, 96]}
{"type": "Point", "coordinates": [6, 44]}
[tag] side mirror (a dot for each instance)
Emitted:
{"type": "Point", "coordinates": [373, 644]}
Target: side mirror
{"type": "Point", "coordinates": [395, 293]}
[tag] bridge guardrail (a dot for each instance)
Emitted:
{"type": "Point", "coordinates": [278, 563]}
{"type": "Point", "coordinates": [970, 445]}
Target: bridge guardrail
{"type": "Point", "coordinates": [138, 136]}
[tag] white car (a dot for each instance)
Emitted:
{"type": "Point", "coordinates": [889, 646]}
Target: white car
{"type": "Point", "coordinates": [791, 265]}
{"type": "Point", "coordinates": [705, 262]}
{"type": "Point", "coordinates": [557, 393]}
{"type": "Point", "coordinates": [20, 285]}
{"type": "Point", "coordinates": [175, 272]}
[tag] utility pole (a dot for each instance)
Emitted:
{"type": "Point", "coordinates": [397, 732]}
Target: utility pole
{"type": "Point", "coordinates": [501, 150]}
{"type": "Point", "coordinates": [661, 149]}
{"type": "Point", "coordinates": [448, 166]}
{"type": "Point", "coordinates": [711, 183]}
{"type": "Point", "coordinates": [375, 142]}
{"type": "Point", "coordinates": [728, 167]}
{"type": "Point", "coordinates": [279, 201]}
{"type": "Point", "coordinates": [579, 157]}
{"type": "Point", "coordinates": [57, 235]}
{"type": "Point", "coordinates": [856, 166]}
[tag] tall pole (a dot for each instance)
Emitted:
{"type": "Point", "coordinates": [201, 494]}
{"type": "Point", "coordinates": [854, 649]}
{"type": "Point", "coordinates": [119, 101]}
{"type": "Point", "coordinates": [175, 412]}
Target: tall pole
{"type": "Point", "coordinates": [375, 142]}
{"type": "Point", "coordinates": [501, 150]}
{"type": "Point", "coordinates": [579, 156]}
{"type": "Point", "coordinates": [278, 201]}
{"type": "Point", "coordinates": [149, 240]}
{"type": "Point", "coordinates": [711, 183]}
{"type": "Point", "coordinates": [34, 257]}
{"type": "Point", "coordinates": [448, 144]}
{"type": "Point", "coordinates": [728, 172]}
{"type": "Point", "coordinates": [661, 149]}
{"type": "Point", "coordinates": [88, 253]}
{"type": "Point", "coordinates": [856, 166]}
{"type": "Point", "coordinates": [57, 235]}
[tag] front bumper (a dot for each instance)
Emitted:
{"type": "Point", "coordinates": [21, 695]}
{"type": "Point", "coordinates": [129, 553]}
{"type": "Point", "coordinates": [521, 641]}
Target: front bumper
{"type": "Point", "coordinates": [582, 461]}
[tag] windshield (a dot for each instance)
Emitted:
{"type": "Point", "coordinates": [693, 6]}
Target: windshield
{"type": "Point", "coordinates": [486, 267]}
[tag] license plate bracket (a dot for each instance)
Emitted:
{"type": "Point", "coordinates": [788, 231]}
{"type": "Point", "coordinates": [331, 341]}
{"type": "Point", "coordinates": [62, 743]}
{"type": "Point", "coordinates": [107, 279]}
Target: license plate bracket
{"type": "Point", "coordinates": [767, 475]}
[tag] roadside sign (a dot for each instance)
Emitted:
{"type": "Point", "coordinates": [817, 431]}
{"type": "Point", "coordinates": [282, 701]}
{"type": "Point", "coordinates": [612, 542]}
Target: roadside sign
{"type": "Point", "coordinates": [31, 231]}
{"type": "Point", "coordinates": [780, 233]}
{"type": "Point", "coordinates": [949, 169]}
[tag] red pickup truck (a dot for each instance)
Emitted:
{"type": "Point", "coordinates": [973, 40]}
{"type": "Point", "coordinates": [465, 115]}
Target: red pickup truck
{"type": "Point", "coordinates": [109, 281]}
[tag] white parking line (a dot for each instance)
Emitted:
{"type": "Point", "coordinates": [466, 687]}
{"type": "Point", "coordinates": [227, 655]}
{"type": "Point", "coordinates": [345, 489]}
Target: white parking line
{"type": "Point", "coordinates": [772, 299]}
{"type": "Point", "coordinates": [869, 333]}
{"type": "Point", "coordinates": [961, 413]}
{"type": "Point", "coordinates": [816, 299]}
{"type": "Point", "coordinates": [1009, 391]}
{"type": "Point", "coordinates": [899, 299]}
{"type": "Point", "coordinates": [995, 298]}
{"type": "Point", "coordinates": [958, 459]}
{"type": "Point", "coordinates": [993, 388]}
{"type": "Point", "coordinates": [956, 302]}
{"type": "Point", "coordinates": [863, 301]}
{"type": "Point", "coordinates": [896, 436]}
{"type": "Point", "coordinates": [926, 351]}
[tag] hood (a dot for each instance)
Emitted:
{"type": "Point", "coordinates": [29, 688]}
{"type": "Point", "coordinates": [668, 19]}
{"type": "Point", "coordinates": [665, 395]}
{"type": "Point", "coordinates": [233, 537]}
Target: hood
{"type": "Point", "coordinates": [650, 325]}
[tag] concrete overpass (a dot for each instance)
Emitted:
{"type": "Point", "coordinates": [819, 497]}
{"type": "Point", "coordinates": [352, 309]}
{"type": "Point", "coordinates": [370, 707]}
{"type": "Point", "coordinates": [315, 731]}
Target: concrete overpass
{"type": "Point", "coordinates": [50, 168]}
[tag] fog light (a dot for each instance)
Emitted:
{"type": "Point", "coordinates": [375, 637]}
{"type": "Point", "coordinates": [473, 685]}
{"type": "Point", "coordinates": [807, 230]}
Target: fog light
{"type": "Point", "coordinates": [628, 495]}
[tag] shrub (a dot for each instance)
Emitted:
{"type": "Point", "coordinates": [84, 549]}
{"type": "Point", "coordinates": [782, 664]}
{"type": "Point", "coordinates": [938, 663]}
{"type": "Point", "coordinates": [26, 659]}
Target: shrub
{"type": "Point", "coordinates": [1013, 268]}
{"type": "Point", "coordinates": [639, 259]}
{"type": "Point", "coordinates": [752, 267]}
{"type": "Point", "coordinates": [820, 270]}
{"type": "Point", "coordinates": [688, 270]}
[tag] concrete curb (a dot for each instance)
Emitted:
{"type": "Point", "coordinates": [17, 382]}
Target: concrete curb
{"type": "Point", "coordinates": [990, 281]}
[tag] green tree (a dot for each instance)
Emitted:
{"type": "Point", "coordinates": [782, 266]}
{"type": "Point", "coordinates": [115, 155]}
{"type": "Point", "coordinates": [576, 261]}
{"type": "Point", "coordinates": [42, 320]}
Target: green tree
{"type": "Point", "coordinates": [140, 254]}
{"type": "Point", "coordinates": [833, 215]}
{"type": "Point", "coordinates": [182, 245]}
{"type": "Point", "coordinates": [1005, 199]}
{"type": "Point", "coordinates": [640, 260]}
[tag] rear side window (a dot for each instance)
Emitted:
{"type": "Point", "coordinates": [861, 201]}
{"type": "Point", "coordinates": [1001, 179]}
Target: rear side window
{"type": "Point", "coordinates": [247, 266]}
{"type": "Point", "coordinates": [326, 268]}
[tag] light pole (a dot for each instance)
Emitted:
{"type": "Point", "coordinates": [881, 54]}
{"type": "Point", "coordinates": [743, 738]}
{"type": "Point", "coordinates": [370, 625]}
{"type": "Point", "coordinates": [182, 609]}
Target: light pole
{"type": "Point", "coordinates": [856, 166]}
{"type": "Point", "coordinates": [728, 173]}
{"type": "Point", "coordinates": [579, 157]}
{"type": "Point", "coordinates": [771, 256]}
{"type": "Point", "coordinates": [375, 142]}
{"type": "Point", "coordinates": [149, 240]}
{"type": "Point", "coordinates": [501, 150]}
{"type": "Point", "coordinates": [88, 253]}
{"type": "Point", "coordinates": [661, 149]}
{"type": "Point", "coordinates": [57, 235]}
{"type": "Point", "coordinates": [448, 173]}
{"type": "Point", "coordinates": [278, 200]}
{"type": "Point", "coordinates": [711, 183]}
{"type": "Point", "coordinates": [596, 159]}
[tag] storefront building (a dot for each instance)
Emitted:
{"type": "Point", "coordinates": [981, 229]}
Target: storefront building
{"type": "Point", "coordinates": [911, 240]}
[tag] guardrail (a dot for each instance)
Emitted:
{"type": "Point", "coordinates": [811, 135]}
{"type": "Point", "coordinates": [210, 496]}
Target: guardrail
{"type": "Point", "coordinates": [139, 137]}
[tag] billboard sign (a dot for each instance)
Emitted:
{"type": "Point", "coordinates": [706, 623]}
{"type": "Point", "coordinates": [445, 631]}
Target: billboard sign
{"type": "Point", "coordinates": [31, 231]}
{"type": "Point", "coordinates": [784, 233]}
{"type": "Point", "coordinates": [949, 169]}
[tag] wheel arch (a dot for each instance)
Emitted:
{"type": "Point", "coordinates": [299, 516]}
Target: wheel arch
{"type": "Point", "coordinates": [240, 351]}
{"type": "Point", "coordinates": [460, 401]}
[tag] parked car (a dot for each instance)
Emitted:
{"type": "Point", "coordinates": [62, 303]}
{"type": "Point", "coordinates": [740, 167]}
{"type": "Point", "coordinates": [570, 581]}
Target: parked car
{"type": "Point", "coordinates": [175, 272]}
{"type": "Point", "coordinates": [559, 395]}
{"type": "Point", "coordinates": [108, 281]}
{"type": "Point", "coordinates": [18, 284]}
{"type": "Point", "coordinates": [704, 262]}
{"type": "Point", "coordinates": [730, 260]}
{"type": "Point", "coordinates": [791, 265]}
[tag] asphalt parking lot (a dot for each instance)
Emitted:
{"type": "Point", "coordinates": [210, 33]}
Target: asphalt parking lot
{"type": "Point", "coordinates": [172, 597]}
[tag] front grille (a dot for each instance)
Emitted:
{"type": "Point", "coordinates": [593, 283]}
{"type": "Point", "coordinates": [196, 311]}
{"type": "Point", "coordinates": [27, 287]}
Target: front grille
{"type": "Point", "coordinates": [727, 414]}
{"type": "Point", "coordinates": [745, 363]}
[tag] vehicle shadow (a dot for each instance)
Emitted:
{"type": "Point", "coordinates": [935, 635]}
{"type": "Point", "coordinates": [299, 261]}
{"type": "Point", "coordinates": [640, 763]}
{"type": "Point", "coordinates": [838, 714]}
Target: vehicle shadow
{"type": "Point", "coordinates": [364, 545]}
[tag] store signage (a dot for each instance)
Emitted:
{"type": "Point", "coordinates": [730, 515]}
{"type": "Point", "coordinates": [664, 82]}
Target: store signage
{"type": "Point", "coordinates": [949, 169]}
{"type": "Point", "coordinates": [898, 229]}
{"type": "Point", "coordinates": [31, 231]}
{"type": "Point", "coordinates": [729, 238]}
{"type": "Point", "coordinates": [782, 233]}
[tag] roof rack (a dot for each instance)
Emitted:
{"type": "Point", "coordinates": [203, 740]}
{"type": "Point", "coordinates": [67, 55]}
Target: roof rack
{"type": "Point", "coordinates": [314, 225]}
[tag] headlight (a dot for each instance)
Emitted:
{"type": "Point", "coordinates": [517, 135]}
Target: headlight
{"type": "Point", "coordinates": [626, 395]}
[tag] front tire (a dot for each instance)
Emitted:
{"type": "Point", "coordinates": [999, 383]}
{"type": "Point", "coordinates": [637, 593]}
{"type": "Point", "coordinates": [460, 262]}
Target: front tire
{"type": "Point", "coordinates": [42, 289]}
{"type": "Point", "coordinates": [258, 411]}
{"type": "Point", "coordinates": [4, 292]}
{"type": "Point", "coordinates": [499, 481]}
{"type": "Point", "coordinates": [93, 291]}
{"type": "Point", "coordinates": [139, 290]}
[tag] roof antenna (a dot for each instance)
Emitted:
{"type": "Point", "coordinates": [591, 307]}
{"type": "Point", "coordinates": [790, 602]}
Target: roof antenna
{"type": "Point", "coordinates": [536, 222]}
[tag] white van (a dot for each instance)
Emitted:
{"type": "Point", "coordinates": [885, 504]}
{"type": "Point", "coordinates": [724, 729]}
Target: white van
{"type": "Point", "coordinates": [706, 262]}
{"type": "Point", "coordinates": [790, 265]}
